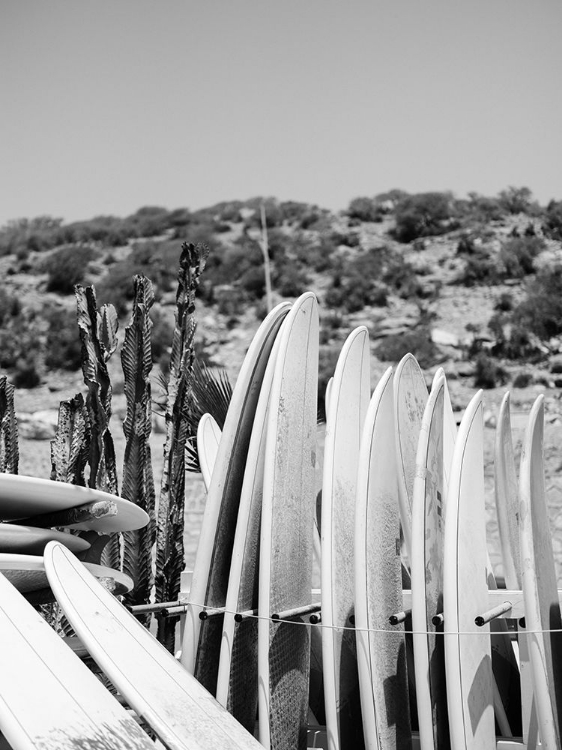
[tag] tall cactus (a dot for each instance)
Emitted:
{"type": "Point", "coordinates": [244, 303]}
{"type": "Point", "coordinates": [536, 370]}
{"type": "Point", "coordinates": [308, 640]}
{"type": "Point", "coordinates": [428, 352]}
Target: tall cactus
{"type": "Point", "coordinates": [98, 333]}
{"type": "Point", "coordinates": [71, 444]}
{"type": "Point", "coordinates": [169, 542]}
{"type": "Point", "coordinates": [9, 450]}
{"type": "Point", "coordinates": [138, 480]}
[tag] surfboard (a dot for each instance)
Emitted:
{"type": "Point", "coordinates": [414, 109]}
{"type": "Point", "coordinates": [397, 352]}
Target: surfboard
{"type": "Point", "coordinates": [286, 538]}
{"type": "Point", "coordinates": [49, 699]}
{"type": "Point", "coordinates": [201, 641]}
{"type": "Point", "coordinates": [348, 403]}
{"type": "Point", "coordinates": [468, 660]}
{"type": "Point", "coordinates": [381, 648]}
{"type": "Point", "coordinates": [542, 608]}
{"type": "Point", "coordinates": [177, 707]}
{"type": "Point", "coordinates": [237, 682]}
{"type": "Point", "coordinates": [27, 574]}
{"type": "Point", "coordinates": [428, 526]}
{"type": "Point", "coordinates": [29, 540]}
{"type": "Point", "coordinates": [208, 439]}
{"type": "Point", "coordinates": [507, 496]}
{"type": "Point", "coordinates": [410, 398]}
{"type": "Point", "coordinates": [22, 497]}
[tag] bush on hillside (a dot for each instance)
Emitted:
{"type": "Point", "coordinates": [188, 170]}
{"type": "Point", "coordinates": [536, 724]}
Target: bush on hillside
{"type": "Point", "coordinates": [63, 348]}
{"type": "Point", "coordinates": [10, 306]}
{"type": "Point", "coordinates": [541, 311]}
{"type": "Point", "coordinates": [365, 209]}
{"type": "Point", "coordinates": [552, 225]}
{"type": "Point", "coordinates": [488, 374]}
{"type": "Point", "coordinates": [67, 267]}
{"type": "Point", "coordinates": [518, 255]}
{"type": "Point", "coordinates": [423, 215]}
{"type": "Point", "coordinates": [516, 200]}
{"type": "Point", "coordinates": [417, 342]}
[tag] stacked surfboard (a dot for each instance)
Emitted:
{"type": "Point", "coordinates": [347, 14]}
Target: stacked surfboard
{"type": "Point", "coordinates": [32, 511]}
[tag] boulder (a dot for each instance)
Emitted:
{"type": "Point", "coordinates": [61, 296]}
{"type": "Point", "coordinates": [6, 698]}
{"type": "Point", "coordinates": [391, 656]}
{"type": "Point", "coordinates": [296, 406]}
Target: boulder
{"type": "Point", "coordinates": [41, 425]}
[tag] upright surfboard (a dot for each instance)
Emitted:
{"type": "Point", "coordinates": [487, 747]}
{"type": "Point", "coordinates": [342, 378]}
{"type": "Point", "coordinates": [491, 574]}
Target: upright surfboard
{"type": "Point", "coordinates": [381, 648]}
{"type": "Point", "coordinates": [349, 400]}
{"type": "Point", "coordinates": [428, 527]}
{"type": "Point", "coordinates": [542, 608]}
{"type": "Point", "coordinates": [177, 707]}
{"type": "Point", "coordinates": [507, 497]}
{"type": "Point", "coordinates": [208, 439]}
{"type": "Point", "coordinates": [410, 398]}
{"type": "Point", "coordinates": [468, 661]}
{"type": "Point", "coordinates": [237, 683]}
{"type": "Point", "coordinates": [201, 641]}
{"type": "Point", "coordinates": [49, 698]}
{"type": "Point", "coordinates": [286, 541]}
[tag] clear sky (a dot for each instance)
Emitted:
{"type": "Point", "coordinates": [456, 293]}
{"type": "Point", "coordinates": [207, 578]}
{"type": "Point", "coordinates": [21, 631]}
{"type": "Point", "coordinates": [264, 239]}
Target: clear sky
{"type": "Point", "coordinates": [110, 105]}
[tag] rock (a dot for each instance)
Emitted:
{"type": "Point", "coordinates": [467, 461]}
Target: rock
{"type": "Point", "coordinates": [41, 425]}
{"type": "Point", "coordinates": [444, 338]}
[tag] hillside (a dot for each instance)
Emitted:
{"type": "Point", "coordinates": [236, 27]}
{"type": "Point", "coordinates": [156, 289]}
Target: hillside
{"type": "Point", "coordinates": [472, 285]}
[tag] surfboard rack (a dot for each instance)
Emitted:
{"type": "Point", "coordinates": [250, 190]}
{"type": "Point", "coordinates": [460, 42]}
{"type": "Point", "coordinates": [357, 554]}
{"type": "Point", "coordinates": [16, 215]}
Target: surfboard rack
{"type": "Point", "coordinates": [399, 617]}
{"type": "Point", "coordinates": [289, 614]}
{"type": "Point", "coordinates": [493, 613]}
{"type": "Point", "coordinates": [246, 615]}
{"type": "Point", "coordinates": [142, 609]}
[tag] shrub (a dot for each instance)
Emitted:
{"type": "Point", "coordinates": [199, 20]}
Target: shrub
{"type": "Point", "coordinates": [517, 200]}
{"type": "Point", "coordinates": [483, 209]}
{"type": "Point", "coordinates": [66, 268]}
{"type": "Point", "coordinates": [541, 311]}
{"type": "Point", "coordinates": [518, 254]}
{"type": "Point", "coordinates": [488, 374]}
{"type": "Point", "coordinates": [504, 302]}
{"type": "Point", "coordinates": [365, 209]}
{"type": "Point", "coordinates": [480, 268]}
{"type": "Point", "coordinates": [552, 225]}
{"type": "Point", "coordinates": [423, 215]}
{"type": "Point", "coordinates": [63, 347]}
{"type": "Point", "coordinates": [522, 379]}
{"type": "Point", "coordinates": [10, 306]}
{"type": "Point", "coordinates": [417, 342]}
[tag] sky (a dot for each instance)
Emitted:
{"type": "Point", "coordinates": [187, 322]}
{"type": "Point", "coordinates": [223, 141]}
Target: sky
{"type": "Point", "coordinates": [111, 105]}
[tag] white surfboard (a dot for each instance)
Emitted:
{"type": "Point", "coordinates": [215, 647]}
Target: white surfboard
{"type": "Point", "coordinates": [507, 497]}
{"type": "Point", "coordinates": [381, 647]}
{"type": "Point", "coordinates": [542, 608]}
{"type": "Point", "coordinates": [201, 643]}
{"type": "Point", "coordinates": [410, 398]}
{"type": "Point", "coordinates": [237, 682]}
{"type": "Point", "coordinates": [348, 403]}
{"type": "Point", "coordinates": [177, 707]}
{"type": "Point", "coordinates": [22, 497]}
{"type": "Point", "coordinates": [30, 540]}
{"type": "Point", "coordinates": [428, 526]}
{"type": "Point", "coordinates": [286, 541]}
{"type": "Point", "coordinates": [49, 699]}
{"type": "Point", "coordinates": [208, 439]}
{"type": "Point", "coordinates": [468, 661]}
{"type": "Point", "coordinates": [27, 574]}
